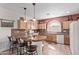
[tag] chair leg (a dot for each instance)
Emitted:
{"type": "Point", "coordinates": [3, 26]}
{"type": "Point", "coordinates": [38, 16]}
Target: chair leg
{"type": "Point", "coordinates": [36, 53]}
{"type": "Point", "coordinates": [26, 49]}
{"type": "Point", "coordinates": [21, 50]}
{"type": "Point", "coordinates": [17, 50]}
{"type": "Point", "coordinates": [11, 50]}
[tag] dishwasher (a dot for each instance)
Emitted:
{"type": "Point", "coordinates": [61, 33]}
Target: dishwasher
{"type": "Point", "coordinates": [60, 38]}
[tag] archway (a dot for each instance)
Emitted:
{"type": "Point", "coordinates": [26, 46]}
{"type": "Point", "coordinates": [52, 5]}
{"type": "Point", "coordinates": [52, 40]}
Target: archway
{"type": "Point", "coordinates": [53, 26]}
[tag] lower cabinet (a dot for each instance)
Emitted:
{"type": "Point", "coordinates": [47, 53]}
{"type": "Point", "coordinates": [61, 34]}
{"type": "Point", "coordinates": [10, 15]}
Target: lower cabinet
{"type": "Point", "coordinates": [66, 39]}
{"type": "Point", "coordinates": [60, 39]}
{"type": "Point", "coordinates": [51, 38]}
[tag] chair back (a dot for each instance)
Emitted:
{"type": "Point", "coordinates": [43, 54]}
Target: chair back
{"type": "Point", "coordinates": [10, 38]}
{"type": "Point", "coordinates": [19, 40]}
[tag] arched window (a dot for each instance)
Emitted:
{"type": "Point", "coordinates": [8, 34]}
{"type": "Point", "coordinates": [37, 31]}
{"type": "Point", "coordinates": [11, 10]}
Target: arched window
{"type": "Point", "coordinates": [54, 26]}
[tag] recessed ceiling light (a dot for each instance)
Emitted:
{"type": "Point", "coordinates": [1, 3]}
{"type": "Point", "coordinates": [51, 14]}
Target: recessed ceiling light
{"type": "Point", "coordinates": [67, 12]}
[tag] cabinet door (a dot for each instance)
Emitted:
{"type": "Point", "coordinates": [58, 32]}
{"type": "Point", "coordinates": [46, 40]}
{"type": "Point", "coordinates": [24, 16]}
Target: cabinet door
{"type": "Point", "coordinates": [35, 25]}
{"type": "Point", "coordinates": [66, 39]}
{"type": "Point", "coordinates": [51, 38]}
{"type": "Point", "coordinates": [32, 25]}
{"type": "Point", "coordinates": [21, 24]}
{"type": "Point", "coordinates": [66, 24]}
{"type": "Point", "coordinates": [54, 38]}
{"type": "Point", "coordinates": [42, 26]}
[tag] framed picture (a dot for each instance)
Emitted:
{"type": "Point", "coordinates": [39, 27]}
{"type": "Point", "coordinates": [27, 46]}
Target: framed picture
{"type": "Point", "coordinates": [7, 23]}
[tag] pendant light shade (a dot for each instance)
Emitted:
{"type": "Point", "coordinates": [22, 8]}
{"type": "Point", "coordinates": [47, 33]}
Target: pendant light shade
{"type": "Point", "coordinates": [34, 12]}
{"type": "Point", "coordinates": [25, 15]}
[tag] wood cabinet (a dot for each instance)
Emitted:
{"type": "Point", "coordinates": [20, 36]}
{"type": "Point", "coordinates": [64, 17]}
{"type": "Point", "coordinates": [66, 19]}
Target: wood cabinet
{"type": "Point", "coordinates": [27, 25]}
{"type": "Point", "coordinates": [51, 38]}
{"type": "Point", "coordinates": [42, 26]}
{"type": "Point", "coordinates": [66, 24]}
{"type": "Point", "coordinates": [66, 39]}
{"type": "Point", "coordinates": [32, 24]}
{"type": "Point", "coordinates": [21, 23]}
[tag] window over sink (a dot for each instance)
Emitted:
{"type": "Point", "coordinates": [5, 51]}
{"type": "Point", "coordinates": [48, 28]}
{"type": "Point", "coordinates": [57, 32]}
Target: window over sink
{"type": "Point", "coordinates": [54, 26]}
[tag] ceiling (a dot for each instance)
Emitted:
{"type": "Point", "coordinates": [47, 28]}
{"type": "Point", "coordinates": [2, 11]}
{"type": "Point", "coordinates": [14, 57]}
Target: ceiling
{"type": "Point", "coordinates": [43, 10]}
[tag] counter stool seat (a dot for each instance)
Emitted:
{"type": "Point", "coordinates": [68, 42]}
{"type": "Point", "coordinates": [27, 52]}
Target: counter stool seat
{"type": "Point", "coordinates": [32, 49]}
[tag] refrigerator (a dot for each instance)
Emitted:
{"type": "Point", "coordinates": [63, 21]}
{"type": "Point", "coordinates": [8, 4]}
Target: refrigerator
{"type": "Point", "coordinates": [74, 37]}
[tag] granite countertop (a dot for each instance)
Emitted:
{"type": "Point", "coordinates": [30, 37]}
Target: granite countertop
{"type": "Point", "coordinates": [59, 33]}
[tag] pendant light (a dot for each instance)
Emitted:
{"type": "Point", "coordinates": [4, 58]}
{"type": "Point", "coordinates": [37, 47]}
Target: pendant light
{"type": "Point", "coordinates": [34, 12]}
{"type": "Point", "coordinates": [25, 15]}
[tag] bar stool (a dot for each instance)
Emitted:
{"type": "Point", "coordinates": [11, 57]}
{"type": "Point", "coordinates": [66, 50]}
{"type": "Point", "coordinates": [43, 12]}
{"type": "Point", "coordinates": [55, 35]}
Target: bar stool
{"type": "Point", "coordinates": [13, 44]}
{"type": "Point", "coordinates": [21, 45]}
{"type": "Point", "coordinates": [31, 49]}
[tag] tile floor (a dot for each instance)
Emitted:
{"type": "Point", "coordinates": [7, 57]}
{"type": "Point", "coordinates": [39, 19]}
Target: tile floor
{"type": "Point", "coordinates": [56, 49]}
{"type": "Point", "coordinates": [48, 49]}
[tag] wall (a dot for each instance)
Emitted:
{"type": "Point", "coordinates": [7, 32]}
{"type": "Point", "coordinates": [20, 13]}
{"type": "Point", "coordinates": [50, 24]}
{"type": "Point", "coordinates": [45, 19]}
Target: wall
{"type": "Point", "coordinates": [5, 31]}
{"type": "Point", "coordinates": [68, 19]}
{"type": "Point", "coordinates": [61, 19]}
{"type": "Point", "coordinates": [4, 43]}
{"type": "Point", "coordinates": [7, 14]}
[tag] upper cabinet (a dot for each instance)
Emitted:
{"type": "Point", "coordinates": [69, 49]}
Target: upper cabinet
{"type": "Point", "coordinates": [42, 26]}
{"type": "Point", "coordinates": [66, 24]}
{"type": "Point", "coordinates": [32, 24]}
{"type": "Point", "coordinates": [27, 25]}
{"type": "Point", "coordinates": [21, 23]}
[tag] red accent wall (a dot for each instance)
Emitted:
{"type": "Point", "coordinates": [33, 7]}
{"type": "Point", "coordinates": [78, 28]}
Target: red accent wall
{"type": "Point", "coordinates": [73, 17]}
